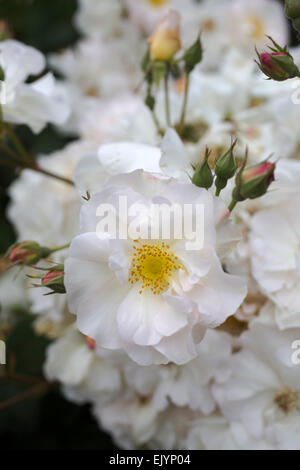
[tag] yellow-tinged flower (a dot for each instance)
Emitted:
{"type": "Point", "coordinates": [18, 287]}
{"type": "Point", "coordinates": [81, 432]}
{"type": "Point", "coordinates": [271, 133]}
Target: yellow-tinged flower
{"type": "Point", "coordinates": [165, 41]}
{"type": "Point", "coordinates": [157, 3]}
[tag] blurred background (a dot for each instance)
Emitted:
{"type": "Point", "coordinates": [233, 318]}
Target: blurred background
{"type": "Point", "coordinates": [45, 421]}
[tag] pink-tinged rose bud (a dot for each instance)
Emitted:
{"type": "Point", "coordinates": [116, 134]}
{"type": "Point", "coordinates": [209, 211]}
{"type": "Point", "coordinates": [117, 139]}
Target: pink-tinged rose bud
{"type": "Point", "coordinates": [266, 59]}
{"type": "Point", "coordinates": [91, 343]}
{"type": "Point", "coordinates": [51, 276]}
{"type": "Point", "coordinates": [27, 253]}
{"type": "Point", "coordinates": [165, 41]}
{"type": "Point", "coordinates": [54, 280]}
{"type": "Point", "coordinates": [253, 172]}
{"type": "Point", "coordinates": [256, 179]}
{"type": "Point", "coordinates": [277, 64]}
{"type": "Point", "coordinates": [271, 68]}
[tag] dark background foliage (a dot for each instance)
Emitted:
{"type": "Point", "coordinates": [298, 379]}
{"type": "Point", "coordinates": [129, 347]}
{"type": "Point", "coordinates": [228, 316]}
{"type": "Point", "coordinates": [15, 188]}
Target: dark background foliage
{"type": "Point", "coordinates": [47, 420]}
{"type": "Point", "coordinates": [41, 421]}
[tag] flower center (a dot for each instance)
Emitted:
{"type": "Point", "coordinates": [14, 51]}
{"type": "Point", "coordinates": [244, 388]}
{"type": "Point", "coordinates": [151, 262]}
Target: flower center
{"type": "Point", "coordinates": [153, 265]}
{"type": "Point", "coordinates": [157, 3]}
{"type": "Point", "coordinates": [209, 25]}
{"type": "Point", "coordinates": [257, 27]}
{"type": "Point", "coordinates": [287, 400]}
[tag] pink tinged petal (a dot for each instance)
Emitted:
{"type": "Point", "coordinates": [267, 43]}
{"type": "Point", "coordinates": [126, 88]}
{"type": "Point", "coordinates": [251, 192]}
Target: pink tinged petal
{"type": "Point", "coordinates": [136, 318]}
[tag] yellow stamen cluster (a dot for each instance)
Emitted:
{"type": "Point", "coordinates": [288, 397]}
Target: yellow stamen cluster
{"type": "Point", "coordinates": [153, 265]}
{"type": "Point", "coordinates": [287, 400]}
{"type": "Point", "coordinates": [157, 3]}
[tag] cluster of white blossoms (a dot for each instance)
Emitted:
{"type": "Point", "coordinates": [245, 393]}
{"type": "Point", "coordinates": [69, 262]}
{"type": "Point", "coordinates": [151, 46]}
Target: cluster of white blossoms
{"type": "Point", "coordinates": [173, 347]}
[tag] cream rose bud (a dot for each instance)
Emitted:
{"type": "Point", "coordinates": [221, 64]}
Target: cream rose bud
{"type": "Point", "coordinates": [165, 41]}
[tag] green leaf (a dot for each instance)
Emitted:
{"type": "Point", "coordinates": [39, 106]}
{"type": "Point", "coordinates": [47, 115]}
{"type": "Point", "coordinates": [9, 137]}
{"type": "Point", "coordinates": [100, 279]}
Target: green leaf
{"type": "Point", "coordinates": [193, 55]}
{"type": "Point", "coordinates": [150, 101]}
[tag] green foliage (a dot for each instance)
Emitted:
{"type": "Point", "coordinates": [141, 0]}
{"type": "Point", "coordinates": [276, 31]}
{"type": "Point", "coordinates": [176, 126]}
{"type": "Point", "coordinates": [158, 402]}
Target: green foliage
{"type": "Point", "coordinates": [43, 24]}
{"type": "Point", "coordinates": [44, 421]}
{"type": "Point", "coordinates": [193, 56]}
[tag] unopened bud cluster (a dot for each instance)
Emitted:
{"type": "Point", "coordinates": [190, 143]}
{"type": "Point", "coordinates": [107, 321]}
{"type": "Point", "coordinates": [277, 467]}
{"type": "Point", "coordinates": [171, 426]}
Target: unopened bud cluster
{"type": "Point", "coordinates": [250, 182]}
{"type": "Point", "coordinates": [224, 169]}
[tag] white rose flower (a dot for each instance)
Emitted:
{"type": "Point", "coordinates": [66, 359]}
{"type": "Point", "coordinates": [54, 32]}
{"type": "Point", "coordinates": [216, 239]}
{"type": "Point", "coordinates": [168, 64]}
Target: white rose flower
{"type": "Point", "coordinates": [98, 18]}
{"type": "Point", "coordinates": [42, 208]}
{"type": "Point", "coordinates": [249, 259]}
{"type": "Point", "coordinates": [46, 210]}
{"type": "Point", "coordinates": [171, 159]}
{"type": "Point", "coordinates": [84, 376]}
{"type": "Point", "coordinates": [95, 70]}
{"type": "Point", "coordinates": [34, 103]}
{"type": "Point", "coordinates": [121, 119]}
{"type": "Point", "coordinates": [12, 292]}
{"type": "Point", "coordinates": [237, 22]}
{"type": "Point", "coordinates": [188, 385]}
{"type": "Point", "coordinates": [134, 422]}
{"type": "Point", "coordinates": [156, 314]}
{"type": "Point", "coordinates": [274, 244]}
{"type": "Point", "coordinates": [263, 391]}
{"type": "Point", "coordinates": [131, 420]}
{"type": "Point", "coordinates": [216, 433]}
{"type": "Point", "coordinates": [165, 398]}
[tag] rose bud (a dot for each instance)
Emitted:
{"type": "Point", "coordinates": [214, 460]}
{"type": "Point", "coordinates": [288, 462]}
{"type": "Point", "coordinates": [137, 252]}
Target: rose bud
{"type": "Point", "coordinates": [225, 169]}
{"type": "Point", "coordinates": [27, 253]}
{"type": "Point", "coordinates": [278, 64]}
{"type": "Point", "coordinates": [165, 41]}
{"type": "Point", "coordinates": [292, 10]}
{"type": "Point", "coordinates": [203, 177]}
{"type": "Point", "coordinates": [54, 279]}
{"type": "Point", "coordinates": [256, 179]}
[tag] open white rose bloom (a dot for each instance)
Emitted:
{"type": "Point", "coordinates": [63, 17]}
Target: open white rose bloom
{"type": "Point", "coordinates": [172, 222]}
{"type": "Point", "coordinates": [152, 298]}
